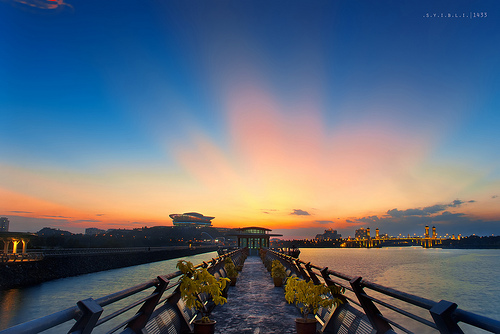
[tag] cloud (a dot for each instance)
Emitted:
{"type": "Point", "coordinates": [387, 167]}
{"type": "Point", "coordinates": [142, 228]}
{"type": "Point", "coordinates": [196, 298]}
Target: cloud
{"type": "Point", "coordinates": [324, 221]}
{"type": "Point", "coordinates": [299, 212]}
{"type": "Point", "coordinates": [100, 214]}
{"type": "Point", "coordinates": [456, 203]}
{"type": "Point", "coordinates": [494, 196]}
{"type": "Point", "coordinates": [62, 217]}
{"type": "Point", "coordinates": [86, 221]}
{"type": "Point", "coordinates": [429, 210]}
{"type": "Point", "coordinates": [370, 219]}
{"type": "Point", "coordinates": [415, 219]}
{"type": "Point", "coordinates": [21, 211]}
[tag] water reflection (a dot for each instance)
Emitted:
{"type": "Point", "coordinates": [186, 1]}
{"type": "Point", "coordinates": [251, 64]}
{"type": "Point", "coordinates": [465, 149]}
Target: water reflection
{"type": "Point", "coordinates": [24, 304]}
{"type": "Point", "coordinates": [468, 278]}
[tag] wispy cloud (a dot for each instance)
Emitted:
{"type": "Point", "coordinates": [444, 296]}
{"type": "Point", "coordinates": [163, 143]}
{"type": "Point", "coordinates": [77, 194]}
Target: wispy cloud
{"type": "Point", "coordinates": [324, 221]}
{"type": "Point", "coordinates": [299, 212]}
{"type": "Point", "coordinates": [414, 219]}
{"type": "Point", "coordinates": [426, 211]}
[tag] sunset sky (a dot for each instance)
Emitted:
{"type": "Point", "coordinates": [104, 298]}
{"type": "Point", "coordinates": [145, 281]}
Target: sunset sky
{"type": "Point", "coordinates": [292, 115]}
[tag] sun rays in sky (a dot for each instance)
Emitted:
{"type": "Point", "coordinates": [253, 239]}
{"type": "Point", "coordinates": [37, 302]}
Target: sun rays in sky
{"type": "Point", "coordinates": [298, 119]}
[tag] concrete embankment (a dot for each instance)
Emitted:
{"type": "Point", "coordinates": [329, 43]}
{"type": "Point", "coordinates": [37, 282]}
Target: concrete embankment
{"type": "Point", "coordinates": [20, 274]}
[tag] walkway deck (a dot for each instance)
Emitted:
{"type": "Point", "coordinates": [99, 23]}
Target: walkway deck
{"type": "Point", "coordinates": [254, 305]}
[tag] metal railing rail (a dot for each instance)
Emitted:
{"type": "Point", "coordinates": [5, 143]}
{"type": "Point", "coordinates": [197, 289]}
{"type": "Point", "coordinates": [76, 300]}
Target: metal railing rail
{"type": "Point", "coordinates": [78, 312]}
{"type": "Point", "coordinates": [445, 315]}
{"type": "Point", "coordinates": [84, 251]}
{"type": "Point", "coordinates": [20, 257]}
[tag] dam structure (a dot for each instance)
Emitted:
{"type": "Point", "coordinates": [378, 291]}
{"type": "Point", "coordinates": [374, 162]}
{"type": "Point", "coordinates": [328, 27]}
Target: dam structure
{"type": "Point", "coordinates": [254, 305]}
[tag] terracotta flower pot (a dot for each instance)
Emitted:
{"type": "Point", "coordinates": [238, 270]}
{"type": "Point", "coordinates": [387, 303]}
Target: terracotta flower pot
{"type": "Point", "coordinates": [278, 281]}
{"type": "Point", "coordinates": [204, 327]}
{"type": "Point", "coordinates": [305, 326]}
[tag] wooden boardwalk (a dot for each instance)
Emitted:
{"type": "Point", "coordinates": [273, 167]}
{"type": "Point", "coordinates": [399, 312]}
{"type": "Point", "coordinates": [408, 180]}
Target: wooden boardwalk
{"type": "Point", "coordinates": [254, 305]}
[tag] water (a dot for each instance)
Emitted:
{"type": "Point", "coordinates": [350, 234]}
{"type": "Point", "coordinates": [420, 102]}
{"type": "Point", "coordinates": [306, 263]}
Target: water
{"type": "Point", "coordinates": [24, 304]}
{"type": "Point", "coordinates": [469, 278]}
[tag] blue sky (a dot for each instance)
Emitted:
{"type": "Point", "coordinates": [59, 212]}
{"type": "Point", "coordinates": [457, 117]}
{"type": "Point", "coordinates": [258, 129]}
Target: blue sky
{"type": "Point", "coordinates": [344, 110]}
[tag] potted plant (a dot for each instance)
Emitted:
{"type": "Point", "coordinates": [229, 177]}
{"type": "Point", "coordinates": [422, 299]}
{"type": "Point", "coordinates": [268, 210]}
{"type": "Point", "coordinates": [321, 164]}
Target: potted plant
{"type": "Point", "coordinates": [267, 264]}
{"type": "Point", "coordinates": [278, 273]}
{"type": "Point", "coordinates": [231, 270]}
{"type": "Point", "coordinates": [198, 281]}
{"type": "Point", "coordinates": [309, 297]}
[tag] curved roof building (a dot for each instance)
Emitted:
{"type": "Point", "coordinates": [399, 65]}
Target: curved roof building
{"type": "Point", "coordinates": [191, 219]}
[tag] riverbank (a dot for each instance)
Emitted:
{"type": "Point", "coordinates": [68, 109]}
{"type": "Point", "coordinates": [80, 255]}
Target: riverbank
{"type": "Point", "coordinates": [22, 274]}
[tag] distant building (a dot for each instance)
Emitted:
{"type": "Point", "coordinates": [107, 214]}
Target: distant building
{"type": "Point", "coordinates": [4, 224]}
{"type": "Point", "coordinates": [254, 238]}
{"type": "Point", "coordinates": [361, 234]}
{"type": "Point", "coordinates": [51, 232]}
{"type": "Point", "coordinates": [329, 234]}
{"type": "Point", "coordinates": [191, 219]}
{"type": "Point", "coordinates": [93, 231]}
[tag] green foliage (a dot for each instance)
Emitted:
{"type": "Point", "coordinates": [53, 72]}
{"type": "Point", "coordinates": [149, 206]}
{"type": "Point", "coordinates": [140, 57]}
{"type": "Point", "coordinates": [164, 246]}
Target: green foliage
{"type": "Point", "coordinates": [309, 296]}
{"type": "Point", "coordinates": [278, 270]}
{"type": "Point", "coordinates": [196, 281]}
{"type": "Point", "coordinates": [230, 267]}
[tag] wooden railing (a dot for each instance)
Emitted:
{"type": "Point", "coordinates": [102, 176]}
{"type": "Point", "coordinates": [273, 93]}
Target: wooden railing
{"type": "Point", "coordinates": [20, 257]}
{"type": "Point", "coordinates": [87, 314]}
{"type": "Point", "coordinates": [443, 316]}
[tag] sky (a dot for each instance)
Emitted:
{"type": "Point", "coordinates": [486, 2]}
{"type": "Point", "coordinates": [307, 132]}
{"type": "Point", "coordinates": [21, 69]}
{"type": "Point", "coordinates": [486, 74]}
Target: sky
{"type": "Point", "coordinates": [297, 116]}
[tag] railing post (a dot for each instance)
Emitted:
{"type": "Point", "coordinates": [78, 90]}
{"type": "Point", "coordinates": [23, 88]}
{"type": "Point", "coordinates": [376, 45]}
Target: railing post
{"type": "Point", "coordinates": [312, 274]}
{"type": "Point", "coordinates": [144, 313]}
{"type": "Point", "coordinates": [301, 270]}
{"type": "Point", "coordinates": [326, 276]}
{"type": "Point", "coordinates": [442, 313]}
{"type": "Point", "coordinates": [329, 282]}
{"type": "Point", "coordinates": [91, 311]}
{"type": "Point", "coordinates": [371, 311]}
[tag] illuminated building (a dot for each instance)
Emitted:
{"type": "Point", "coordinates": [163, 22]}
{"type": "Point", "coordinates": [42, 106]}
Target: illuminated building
{"type": "Point", "coordinates": [93, 231]}
{"type": "Point", "coordinates": [193, 219]}
{"type": "Point", "coordinates": [434, 234]}
{"type": "Point", "coordinates": [254, 238]}
{"type": "Point", "coordinates": [426, 231]}
{"type": "Point", "coordinates": [4, 224]}
{"type": "Point", "coordinates": [329, 234]}
{"type": "Point", "coordinates": [361, 234]}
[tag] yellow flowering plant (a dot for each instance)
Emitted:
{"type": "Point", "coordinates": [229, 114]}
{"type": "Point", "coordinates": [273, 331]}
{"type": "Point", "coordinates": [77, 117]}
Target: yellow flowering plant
{"type": "Point", "coordinates": [309, 296]}
{"type": "Point", "coordinates": [197, 281]}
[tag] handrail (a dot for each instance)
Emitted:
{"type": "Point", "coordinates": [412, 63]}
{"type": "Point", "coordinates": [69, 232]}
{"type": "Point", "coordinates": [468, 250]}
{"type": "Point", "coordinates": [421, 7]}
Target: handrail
{"type": "Point", "coordinates": [20, 257]}
{"type": "Point", "coordinates": [73, 313]}
{"type": "Point", "coordinates": [446, 315]}
{"type": "Point", "coordinates": [84, 251]}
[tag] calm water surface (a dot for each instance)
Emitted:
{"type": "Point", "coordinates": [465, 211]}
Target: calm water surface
{"type": "Point", "coordinates": [469, 278]}
{"type": "Point", "coordinates": [24, 304]}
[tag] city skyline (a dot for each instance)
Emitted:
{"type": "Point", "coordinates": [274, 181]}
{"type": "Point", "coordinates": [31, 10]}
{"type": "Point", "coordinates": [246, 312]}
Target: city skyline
{"type": "Point", "coordinates": [295, 116]}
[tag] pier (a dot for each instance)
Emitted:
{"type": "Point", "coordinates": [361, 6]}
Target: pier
{"type": "Point", "coordinates": [255, 306]}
